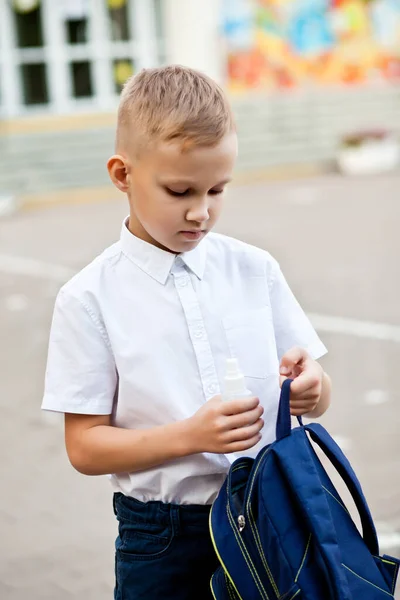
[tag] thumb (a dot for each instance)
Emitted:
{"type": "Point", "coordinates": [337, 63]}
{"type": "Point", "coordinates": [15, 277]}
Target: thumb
{"type": "Point", "coordinates": [290, 359]}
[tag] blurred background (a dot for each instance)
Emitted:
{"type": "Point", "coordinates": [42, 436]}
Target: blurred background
{"type": "Point", "coordinates": [315, 86]}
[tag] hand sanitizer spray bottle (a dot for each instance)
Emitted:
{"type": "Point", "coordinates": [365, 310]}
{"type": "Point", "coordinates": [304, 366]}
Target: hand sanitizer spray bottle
{"type": "Point", "coordinates": [234, 383]}
{"type": "Point", "coordinates": [235, 388]}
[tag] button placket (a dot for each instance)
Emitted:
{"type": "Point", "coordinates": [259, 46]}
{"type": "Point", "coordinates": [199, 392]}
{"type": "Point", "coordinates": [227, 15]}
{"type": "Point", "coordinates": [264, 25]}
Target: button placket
{"type": "Point", "coordinates": [212, 389]}
{"type": "Point", "coordinates": [197, 330]}
{"type": "Point", "coordinates": [183, 281]}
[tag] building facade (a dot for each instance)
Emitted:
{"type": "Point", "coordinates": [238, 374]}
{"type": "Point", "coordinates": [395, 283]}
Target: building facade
{"type": "Point", "coordinates": [300, 73]}
{"type": "Point", "coordinates": [70, 56]}
{"type": "Point", "coordinates": [63, 56]}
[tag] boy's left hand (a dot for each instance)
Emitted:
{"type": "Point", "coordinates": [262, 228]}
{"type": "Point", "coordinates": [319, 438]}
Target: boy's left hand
{"type": "Point", "coordinates": [307, 375]}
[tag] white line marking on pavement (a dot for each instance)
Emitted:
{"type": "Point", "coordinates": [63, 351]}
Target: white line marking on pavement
{"type": "Point", "coordinates": [16, 265]}
{"type": "Point", "coordinates": [376, 397]}
{"type": "Point", "coordinates": [344, 443]}
{"type": "Point", "coordinates": [362, 329]}
{"type": "Point", "coordinates": [17, 302]}
{"type": "Point", "coordinates": [388, 537]}
{"type": "Point", "coordinates": [388, 541]}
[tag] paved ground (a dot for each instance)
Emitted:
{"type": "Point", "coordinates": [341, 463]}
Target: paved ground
{"type": "Point", "coordinates": [338, 242]}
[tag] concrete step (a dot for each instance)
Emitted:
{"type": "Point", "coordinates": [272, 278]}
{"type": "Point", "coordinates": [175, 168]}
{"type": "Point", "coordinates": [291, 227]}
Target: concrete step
{"type": "Point", "coordinates": [276, 129]}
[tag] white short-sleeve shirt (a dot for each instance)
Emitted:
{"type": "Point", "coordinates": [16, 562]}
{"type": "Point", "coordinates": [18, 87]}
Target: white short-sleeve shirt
{"type": "Point", "coordinates": [143, 334]}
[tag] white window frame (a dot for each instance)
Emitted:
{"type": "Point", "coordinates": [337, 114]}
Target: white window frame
{"type": "Point", "coordinates": [100, 51]}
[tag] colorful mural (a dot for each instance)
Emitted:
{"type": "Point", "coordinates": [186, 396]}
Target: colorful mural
{"type": "Point", "coordinates": [290, 43]}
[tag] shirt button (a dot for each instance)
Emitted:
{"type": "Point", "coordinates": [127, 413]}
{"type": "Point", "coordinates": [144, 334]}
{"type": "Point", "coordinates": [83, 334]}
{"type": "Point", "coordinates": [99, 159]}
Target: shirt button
{"type": "Point", "coordinates": [198, 334]}
{"type": "Point", "coordinates": [183, 281]}
{"type": "Point", "coordinates": [179, 262]}
{"type": "Point", "coordinates": [212, 388]}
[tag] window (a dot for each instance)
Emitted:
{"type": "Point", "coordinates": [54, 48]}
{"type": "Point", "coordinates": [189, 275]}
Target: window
{"type": "Point", "coordinates": [81, 79]}
{"type": "Point", "coordinates": [34, 84]}
{"type": "Point", "coordinates": [76, 31]}
{"type": "Point", "coordinates": [28, 27]}
{"type": "Point", "coordinates": [58, 53]}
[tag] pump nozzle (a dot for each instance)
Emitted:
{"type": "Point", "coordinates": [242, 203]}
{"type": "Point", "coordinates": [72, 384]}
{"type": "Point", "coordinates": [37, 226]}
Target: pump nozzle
{"type": "Point", "coordinates": [232, 367]}
{"type": "Point", "coordinates": [235, 386]}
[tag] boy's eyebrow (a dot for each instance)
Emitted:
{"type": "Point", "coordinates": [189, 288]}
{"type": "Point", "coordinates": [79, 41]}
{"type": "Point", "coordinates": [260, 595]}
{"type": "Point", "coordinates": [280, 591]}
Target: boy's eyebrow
{"type": "Point", "coordinates": [191, 183]}
{"type": "Point", "coordinates": [225, 181]}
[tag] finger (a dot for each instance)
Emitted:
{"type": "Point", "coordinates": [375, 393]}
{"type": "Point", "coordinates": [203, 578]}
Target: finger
{"type": "Point", "coordinates": [309, 395]}
{"type": "Point", "coordinates": [293, 372]}
{"type": "Point", "coordinates": [235, 407]}
{"type": "Point", "coordinates": [298, 412]}
{"type": "Point", "coordinates": [244, 445]}
{"type": "Point", "coordinates": [306, 386]}
{"type": "Point", "coordinates": [293, 357]}
{"type": "Point", "coordinates": [303, 401]}
{"type": "Point", "coordinates": [244, 419]}
{"type": "Point", "coordinates": [244, 433]}
{"type": "Point", "coordinates": [307, 380]}
{"type": "Point", "coordinates": [303, 405]}
{"type": "Point", "coordinates": [291, 375]}
{"type": "Point", "coordinates": [302, 408]}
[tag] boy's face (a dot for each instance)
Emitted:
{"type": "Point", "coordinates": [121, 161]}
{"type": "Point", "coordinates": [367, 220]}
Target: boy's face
{"type": "Point", "coordinates": [176, 197]}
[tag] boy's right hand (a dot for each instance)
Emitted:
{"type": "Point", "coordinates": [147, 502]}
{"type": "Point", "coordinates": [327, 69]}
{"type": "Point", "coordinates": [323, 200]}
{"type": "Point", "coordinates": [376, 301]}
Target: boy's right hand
{"type": "Point", "coordinates": [222, 427]}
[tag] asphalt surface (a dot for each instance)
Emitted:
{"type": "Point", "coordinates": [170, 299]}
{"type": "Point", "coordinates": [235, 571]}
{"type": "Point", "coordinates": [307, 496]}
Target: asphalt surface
{"type": "Point", "coordinates": [338, 243]}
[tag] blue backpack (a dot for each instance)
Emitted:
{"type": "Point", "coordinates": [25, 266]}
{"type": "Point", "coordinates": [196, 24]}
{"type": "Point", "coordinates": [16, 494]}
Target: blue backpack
{"type": "Point", "coordinates": [281, 530]}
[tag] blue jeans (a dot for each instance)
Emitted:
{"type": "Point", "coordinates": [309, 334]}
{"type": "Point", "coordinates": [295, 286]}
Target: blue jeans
{"type": "Point", "coordinates": [162, 551]}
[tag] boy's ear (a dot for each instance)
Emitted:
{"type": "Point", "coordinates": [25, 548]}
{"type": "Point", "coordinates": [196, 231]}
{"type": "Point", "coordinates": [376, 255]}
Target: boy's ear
{"type": "Point", "coordinates": [118, 171]}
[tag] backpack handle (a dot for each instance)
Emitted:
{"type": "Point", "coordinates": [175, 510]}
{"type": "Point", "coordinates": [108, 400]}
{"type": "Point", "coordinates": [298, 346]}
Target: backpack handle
{"type": "Point", "coordinates": [283, 422]}
{"type": "Point", "coordinates": [330, 448]}
{"type": "Point", "coordinates": [337, 458]}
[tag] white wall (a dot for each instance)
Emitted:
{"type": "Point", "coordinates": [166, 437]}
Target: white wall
{"type": "Point", "coordinates": [192, 35]}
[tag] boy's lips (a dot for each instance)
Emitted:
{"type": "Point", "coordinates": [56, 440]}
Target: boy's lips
{"type": "Point", "coordinates": [193, 234]}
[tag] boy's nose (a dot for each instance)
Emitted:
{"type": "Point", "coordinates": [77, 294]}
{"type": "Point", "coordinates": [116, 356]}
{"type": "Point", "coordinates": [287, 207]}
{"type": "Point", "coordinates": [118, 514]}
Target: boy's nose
{"type": "Point", "coordinates": [198, 213]}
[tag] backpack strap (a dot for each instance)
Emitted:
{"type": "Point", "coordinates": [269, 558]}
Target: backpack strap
{"type": "Point", "coordinates": [322, 438]}
{"type": "Point", "coordinates": [296, 461]}
{"type": "Point", "coordinates": [283, 422]}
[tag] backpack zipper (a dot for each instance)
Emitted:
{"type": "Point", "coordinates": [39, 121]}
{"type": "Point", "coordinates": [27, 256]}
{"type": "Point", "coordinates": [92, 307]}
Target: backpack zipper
{"type": "Point", "coordinates": [254, 531]}
{"type": "Point", "coordinates": [241, 523]}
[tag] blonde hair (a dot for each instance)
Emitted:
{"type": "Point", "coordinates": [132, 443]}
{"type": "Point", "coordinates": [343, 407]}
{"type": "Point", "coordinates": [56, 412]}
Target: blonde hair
{"type": "Point", "coordinates": [173, 103]}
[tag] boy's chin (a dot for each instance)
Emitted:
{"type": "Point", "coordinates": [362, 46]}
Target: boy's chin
{"type": "Point", "coordinates": [174, 246]}
{"type": "Point", "coordinates": [178, 246]}
{"type": "Point", "coordinates": [181, 248]}
{"type": "Point", "coordinates": [186, 246]}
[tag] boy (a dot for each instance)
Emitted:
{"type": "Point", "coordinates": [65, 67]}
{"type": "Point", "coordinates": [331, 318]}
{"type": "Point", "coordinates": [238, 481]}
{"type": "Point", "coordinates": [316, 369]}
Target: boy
{"type": "Point", "coordinates": [140, 337]}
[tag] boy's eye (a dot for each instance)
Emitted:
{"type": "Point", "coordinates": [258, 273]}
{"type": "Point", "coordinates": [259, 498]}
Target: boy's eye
{"type": "Point", "coordinates": [176, 194]}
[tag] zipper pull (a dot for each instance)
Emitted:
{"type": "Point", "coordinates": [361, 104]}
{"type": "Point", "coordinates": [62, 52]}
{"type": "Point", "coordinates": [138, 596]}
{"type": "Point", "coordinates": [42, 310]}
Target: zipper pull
{"type": "Point", "coordinates": [241, 523]}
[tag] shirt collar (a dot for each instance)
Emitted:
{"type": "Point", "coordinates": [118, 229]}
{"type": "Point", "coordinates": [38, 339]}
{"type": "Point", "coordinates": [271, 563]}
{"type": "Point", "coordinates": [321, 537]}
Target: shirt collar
{"type": "Point", "coordinates": [157, 262]}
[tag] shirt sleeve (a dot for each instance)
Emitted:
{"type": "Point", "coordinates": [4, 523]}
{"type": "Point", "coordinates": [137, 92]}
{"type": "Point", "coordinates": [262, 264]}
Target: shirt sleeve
{"type": "Point", "coordinates": [81, 376]}
{"type": "Point", "coordinates": [291, 325]}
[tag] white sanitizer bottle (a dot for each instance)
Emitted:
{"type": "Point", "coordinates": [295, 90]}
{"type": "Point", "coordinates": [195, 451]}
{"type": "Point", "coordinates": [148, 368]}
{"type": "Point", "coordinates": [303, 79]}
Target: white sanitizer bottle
{"type": "Point", "coordinates": [235, 388]}
{"type": "Point", "coordinates": [234, 382]}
